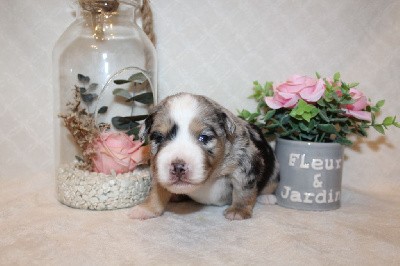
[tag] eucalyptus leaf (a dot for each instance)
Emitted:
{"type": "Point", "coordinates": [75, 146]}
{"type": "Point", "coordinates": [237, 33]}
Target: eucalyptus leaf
{"type": "Point", "coordinates": [145, 98]}
{"type": "Point", "coordinates": [93, 86]}
{"type": "Point", "coordinates": [121, 81]}
{"type": "Point", "coordinates": [102, 110]}
{"type": "Point", "coordinates": [138, 78]}
{"type": "Point", "coordinates": [123, 123]}
{"type": "Point", "coordinates": [122, 92]}
{"type": "Point", "coordinates": [83, 79]}
{"type": "Point", "coordinates": [89, 97]}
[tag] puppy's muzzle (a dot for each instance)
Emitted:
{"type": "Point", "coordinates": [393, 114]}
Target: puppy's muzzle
{"type": "Point", "coordinates": [178, 170]}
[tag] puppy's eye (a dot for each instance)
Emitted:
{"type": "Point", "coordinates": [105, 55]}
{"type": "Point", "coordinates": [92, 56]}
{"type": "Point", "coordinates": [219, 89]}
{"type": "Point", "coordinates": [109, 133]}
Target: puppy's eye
{"type": "Point", "coordinates": [204, 138]}
{"type": "Point", "coordinates": [157, 137]}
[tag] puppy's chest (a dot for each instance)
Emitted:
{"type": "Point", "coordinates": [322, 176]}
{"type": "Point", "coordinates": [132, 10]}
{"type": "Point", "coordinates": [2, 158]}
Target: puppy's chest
{"type": "Point", "coordinates": [214, 192]}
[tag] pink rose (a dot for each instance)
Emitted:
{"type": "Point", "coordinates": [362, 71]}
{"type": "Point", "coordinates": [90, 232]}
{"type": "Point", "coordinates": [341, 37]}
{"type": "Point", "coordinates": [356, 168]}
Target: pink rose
{"type": "Point", "coordinates": [118, 152]}
{"type": "Point", "coordinates": [295, 88]}
{"type": "Point", "coordinates": [357, 109]}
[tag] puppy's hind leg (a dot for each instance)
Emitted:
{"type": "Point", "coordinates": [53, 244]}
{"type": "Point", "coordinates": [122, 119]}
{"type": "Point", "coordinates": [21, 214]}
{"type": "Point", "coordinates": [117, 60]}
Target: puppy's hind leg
{"type": "Point", "coordinates": [267, 196]}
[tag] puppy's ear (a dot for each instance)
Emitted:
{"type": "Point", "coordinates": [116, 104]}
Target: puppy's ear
{"type": "Point", "coordinates": [227, 122]}
{"type": "Point", "coordinates": [146, 126]}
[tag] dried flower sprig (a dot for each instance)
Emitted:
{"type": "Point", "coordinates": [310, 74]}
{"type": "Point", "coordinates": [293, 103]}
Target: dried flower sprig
{"type": "Point", "coordinates": [82, 127]}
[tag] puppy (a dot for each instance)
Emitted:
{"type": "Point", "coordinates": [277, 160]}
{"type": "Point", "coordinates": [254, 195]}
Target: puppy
{"type": "Point", "coordinates": [202, 150]}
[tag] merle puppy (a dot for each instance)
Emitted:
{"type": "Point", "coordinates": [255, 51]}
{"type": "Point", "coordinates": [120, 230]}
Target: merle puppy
{"type": "Point", "coordinates": [202, 150]}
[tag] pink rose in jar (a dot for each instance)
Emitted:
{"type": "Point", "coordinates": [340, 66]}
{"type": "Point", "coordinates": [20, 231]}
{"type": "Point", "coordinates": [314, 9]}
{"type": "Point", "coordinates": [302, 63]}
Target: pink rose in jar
{"type": "Point", "coordinates": [357, 109]}
{"type": "Point", "coordinates": [295, 88]}
{"type": "Point", "coordinates": [118, 152]}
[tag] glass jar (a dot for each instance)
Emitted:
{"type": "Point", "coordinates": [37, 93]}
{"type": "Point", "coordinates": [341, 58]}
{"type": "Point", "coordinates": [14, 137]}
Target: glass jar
{"type": "Point", "coordinates": [105, 79]}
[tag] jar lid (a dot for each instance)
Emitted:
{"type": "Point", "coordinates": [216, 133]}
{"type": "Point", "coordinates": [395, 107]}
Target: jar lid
{"type": "Point", "coordinates": [99, 5]}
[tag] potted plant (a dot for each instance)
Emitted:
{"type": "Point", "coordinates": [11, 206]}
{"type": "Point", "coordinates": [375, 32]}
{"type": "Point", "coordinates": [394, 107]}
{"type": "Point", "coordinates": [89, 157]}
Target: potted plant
{"type": "Point", "coordinates": [312, 119]}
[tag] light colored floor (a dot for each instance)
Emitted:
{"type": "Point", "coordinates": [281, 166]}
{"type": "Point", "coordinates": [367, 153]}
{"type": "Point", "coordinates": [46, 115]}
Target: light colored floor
{"type": "Point", "coordinates": [36, 229]}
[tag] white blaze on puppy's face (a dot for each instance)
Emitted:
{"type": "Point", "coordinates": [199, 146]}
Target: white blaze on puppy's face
{"type": "Point", "coordinates": [182, 150]}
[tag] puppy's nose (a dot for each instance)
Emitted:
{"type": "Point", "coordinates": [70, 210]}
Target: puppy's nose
{"type": "Point", "coordinates": [178, 169]}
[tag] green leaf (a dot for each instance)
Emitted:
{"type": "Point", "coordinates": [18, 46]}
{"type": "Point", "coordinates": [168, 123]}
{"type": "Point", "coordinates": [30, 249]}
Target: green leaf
{"type": "Point", "coordinates": [284, 120]}
{"type": "Point", "coordinates": [328, 128]}
{"type": "Point", "coordinates": [303, 127]}
{"type": "Point", "coordinates": [244, 114]}
{"type": "Point", "coordinates": [102, 110]}
{"type": "Point", "coordinates": [379, 104]}
{"type": "Point", "coordinates": [305, 136]}
{"type": "Point", "coordinates": [307, 117]}
{"type": "Point", "coordinates": [269, 114]}
{"type": "Point", "coordinates": [121, 81]}
{"type": "Point", "coordinates": [379, 128]}
{"type": "Point", "coordinates": [304, 111]}
{"type": "Point", "coordinates": [344, 119]}
{"type": "Point", "coordinates": [318, 75]}
{"type": "Point", "coordinates": [373, 109]}
{"type": "Point", "coordinates": [321, 102]}
{"type": "Point", "coordinates": [324, 116]}
{"type": "Point", "coordinates": [336, 77]}
{"type": "Point", "coordinates": [388, 121]}
{"type": "Point", "coordinates": [362, 132]}
{"type": "Point", "coordinates": [138, 78]}
{"type": "Point", "coordinates": [145, 98]}
{"type": "Point", "coordinates": [122, 92]}
{"type": "Point", "coordinates": [352, 85]}
{"type": "Point", "coordinates": [346, 101]}
{"type": "Point", "coordinates": [343, 141]}
{"type": "Point", "coordinates": [396, 124]}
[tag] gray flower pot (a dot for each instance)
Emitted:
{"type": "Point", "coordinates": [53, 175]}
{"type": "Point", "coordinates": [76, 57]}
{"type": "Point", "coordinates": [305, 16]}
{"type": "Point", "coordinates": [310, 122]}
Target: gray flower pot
{"type": "Point", "coordinates": [311, 175]}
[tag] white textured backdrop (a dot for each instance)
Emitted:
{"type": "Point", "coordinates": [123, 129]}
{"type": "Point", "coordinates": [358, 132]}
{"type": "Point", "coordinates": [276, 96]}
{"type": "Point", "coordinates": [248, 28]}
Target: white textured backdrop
{"type": "Point", "coordinates": [217, 48]}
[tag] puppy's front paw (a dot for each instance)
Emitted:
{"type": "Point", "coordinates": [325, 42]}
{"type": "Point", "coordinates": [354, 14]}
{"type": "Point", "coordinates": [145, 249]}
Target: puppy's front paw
{"type": "Point", "coordinates": [235, 213]}
{"type": "Point", "coordinates": [142, 213]}
{"type": "Point", "coordinates": [267, 199]}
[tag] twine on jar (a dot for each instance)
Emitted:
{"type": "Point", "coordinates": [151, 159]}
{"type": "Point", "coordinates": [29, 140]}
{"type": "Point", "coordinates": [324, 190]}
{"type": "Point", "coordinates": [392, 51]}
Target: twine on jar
{"type": "Point", "coordinates": [147, 21]}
